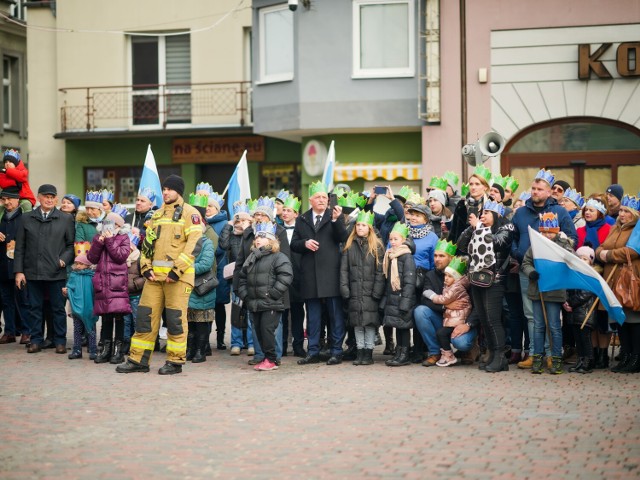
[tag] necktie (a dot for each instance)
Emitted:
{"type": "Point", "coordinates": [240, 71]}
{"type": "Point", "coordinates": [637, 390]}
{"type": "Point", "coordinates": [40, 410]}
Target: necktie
{"type": "Point", "coordinates": [318, 218]}
{"type": "Point", "coordinates": [289, 228]}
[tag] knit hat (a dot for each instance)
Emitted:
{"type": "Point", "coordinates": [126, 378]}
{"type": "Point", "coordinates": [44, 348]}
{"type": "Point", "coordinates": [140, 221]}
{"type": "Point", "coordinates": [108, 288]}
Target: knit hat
{"type": "Point", "coordinates": [82, 259]}
{"type": "Point", "coordinates": [73, 199]}
{"type": "Point", "coordinates": [439, 195]}
{"type": "Point", "coordinates": [563, 184]}
{"type": "Point", "coordinates": [616, 190]}
{"type": "Point", "coordinates": [585, 251]}
{"type": "Point", "coordinates": [10, 192]}
{"type": "Point", "coordinates": [498, 187]}
{"type": "Point", "coordinates": [11, 155]}
{"type": "Point", "coordinates": [174, 182]}
{"type": "Point", "coordinates": [115, 218]}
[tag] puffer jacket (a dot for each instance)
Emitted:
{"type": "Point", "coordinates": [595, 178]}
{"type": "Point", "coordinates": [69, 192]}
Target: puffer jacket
{"type": "Point", "coordinates": [135, 279]}
{"type": "Point", "coordinates": [580, 302]}
{"type": "Point", "coordinates": [204, 261]}
{"type": "Point", "coordinates": [398, 305]}
{"type": "Point", "coordinates": [361, 284]}
{"type": "Point", "coordinates": [18, 176]}
{"type": "Point", "coordinates": [85, 228]}
{"type": "Point", "coordinates": [527, 267]}
{"type": "Point", "coordinates": [264, 279]}
{"type": "Point", "coordinates": [111, 280]}
{"type": "Point", "coordinates": [456, 301]}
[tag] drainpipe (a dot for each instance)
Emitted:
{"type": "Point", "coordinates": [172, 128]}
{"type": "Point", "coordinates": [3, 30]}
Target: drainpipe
{"type": "Point", "coordinates": [463, 83]}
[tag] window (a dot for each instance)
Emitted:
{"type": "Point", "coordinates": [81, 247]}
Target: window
{"type": "Point", "coordinates": [10, 93]}
{"type": "Point", "coordinates": [161, 79]}
{"type": "Point", "coordinates": [383, 38]}
{"type": "Point", "coordinates": [276, 44]}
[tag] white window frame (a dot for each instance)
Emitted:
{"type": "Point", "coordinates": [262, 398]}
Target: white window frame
{"type": "Point", "coordinates": [6, 83]}
{"type": "Point", "coordinates": [282, 77]}
{"type": "Point", "coordinates": [358, 71]}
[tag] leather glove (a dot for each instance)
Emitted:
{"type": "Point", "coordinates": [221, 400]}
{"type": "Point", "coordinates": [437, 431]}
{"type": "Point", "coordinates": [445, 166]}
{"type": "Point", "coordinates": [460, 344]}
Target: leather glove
{"type": "Point", "coordinates": [534, 275]}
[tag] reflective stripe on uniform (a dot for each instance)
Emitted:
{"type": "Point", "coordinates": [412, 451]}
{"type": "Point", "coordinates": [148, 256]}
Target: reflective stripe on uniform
{"type": "Point", "coordinates": [190, 230]}
{"type": "Point", "coordinates": [186, 258]}
{"type": "Point", "coordinates": [157, 269]}
{"type": "Point", "coordinates": [176, 346]}
{"type": "Point", "coordinates": [167, 221]}
{"type": "Point", "coordinates": [144, 345]}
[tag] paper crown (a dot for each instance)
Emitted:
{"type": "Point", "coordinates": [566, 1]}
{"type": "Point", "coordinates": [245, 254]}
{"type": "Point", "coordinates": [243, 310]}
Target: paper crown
{"type": "Point", "coordinates": [198, 200]}
{"type": "Point", "coordinates": [546, 175]}
{"type": "Point", "coordinates": [282, 195]}
{"type": "Point", "coordinates": [204, 188]}
{"type": "Point", "coordinates": [404, 193]}
{"type": "Point", "coordinates": [216, 197]}
{"type": "Point", "coordinates": [365, 217]}
{"type": "Point", "coordinates": [482, 172]}
{"type": "Point", "coordinates": [81, 248]}
{"type": "Point", "coordinates": [93, 199]}
{"type": "Point", "coordinates": [446, 247]}
{"type": "Point", "coordinates": [500, 180]}
{"type": "Point", "coordinates": [464, 190]}
{"type": "Point", "coordinates": [148, 193]}
{"type": "Point", "coordinates": [293, 203]}
{"type": "Point", "coordinates": [348, 201]}
{"type": "Point", "coordinates": [458, 265]}
{"type": "Point", "coordinates": [266, 202]}
{"type": "Point", "coordinates": [339, 192]}
{"type": "Point", "coordinates": [240, 208]}
{"type": "Point", "coordinates": [492, 206]}
{"type": "Point", "coordinates": [10, 152]}
{"type": "Point", "coordinates": [524, 196]}
{"type": "Point", "coordinates": [630, 201]}
{"type": "Point", "coordinates": [549, 222]}
{"type": "Point", "coordinates": [252, 205]}
{"type": "Point", "coordinates": [107, 195]}
{"type": "Point", "coordinates": [439, 183]}
{"type": "Point", "coordinates": [596, 205]}
{"type": "Point", "coordinates": [120, 209]}
{"type": "Point", "coordinates": [574, 196]}
{"type": "Point", "coordinates": [317, 187]}
{"type": "Point", "coordinates": [133, 238]}
{"type": "Point", "coordinates": [415, 199]}
{"type": "Point", "coordinates": [401, 229]}
{"type": "Point", "coordinates": [451, 178]}
{"type": "Point", "coordinates": [361, 199]}
{"type": "Point", "coordinates": [265, 229]}
{"type": "Point", "coordinates": [512, 184]}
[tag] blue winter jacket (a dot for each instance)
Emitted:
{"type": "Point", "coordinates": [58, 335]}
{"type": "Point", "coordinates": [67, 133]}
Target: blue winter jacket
{"type": "Point", "coordinates": [527, 215]}
{"type": "Point", "coordinates": [204, 262]}
{"type": "Point", "coordinates": [384, 223]}
{"type": "Point", "coordinates": [425, 247]}
{"type": "Point", "coordinates": [223, 290]}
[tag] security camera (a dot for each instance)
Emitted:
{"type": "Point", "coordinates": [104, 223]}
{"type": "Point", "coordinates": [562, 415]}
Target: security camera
{"type": "Point", "coordinates": [293, 5]}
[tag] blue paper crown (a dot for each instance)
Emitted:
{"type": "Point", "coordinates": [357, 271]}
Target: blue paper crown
{"type": "Point", "coordinates": [575, 197]}
{"type": "Point", "coordinates": [120, 210]}
{"type": "Point", "coordinates": [265, 228]}
{"type": "Point", "coordinates": [630, 201]}
{"type": "Point", "coordinates": [149, 193]}
{"type": "Point", "coordinates": [10, 152]}
{"type": "Point", "coordinates": [546, 175]}
{"type": "Point", "coordinates": [524, 196]}
{"type": "Point", "coordinates": [494, 207]}
{"type": "Point", "coordinates": [133, 238]}
{"type": "Point", "coordinates": [240, 207]}
{"type": "Point", "coordinates": [107, 195]}
{"type": "Point", "coordinates": [93, 196]}
{"type": "Point", "coordinates": [283, 195]}
{"type": "Point", "coordinates": [596, 205]}
{"type": "Point", "coordinates": [267, 202]}
{"type": "Point", "coordinates": [217, 197]}
{"type": "Point", "coordinates": [204, 187]}
{"type": "Point", "coordinates": [549, 221]}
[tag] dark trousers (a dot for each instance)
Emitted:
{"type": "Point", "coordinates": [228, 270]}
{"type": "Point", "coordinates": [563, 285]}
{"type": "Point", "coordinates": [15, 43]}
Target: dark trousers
{"type": "Point", "coordinates": [37, 289]}
{"type": "Point", "coordinates": [488, 303]}
{"type": "Point", "coordinates": [221, 321]}
{"type": "Point", "coordinates": [264, 326]}
{"type": "Point", "coordinates": [517, 321]}
{"type": "Point", "coordinates": [584, 348]}
{"type": "Point", "coordinates": [14, 307]}
{"type": "Point", "coordinates": [444, 337]}
{"type": "Point", "coordinates": [296, 314]}
{"type": "Point", "coordinates": [108, 322]}
{"type": "Point", "coordinates": [336, 324]}
{"type": "Point", "coordinates": [403, 336]}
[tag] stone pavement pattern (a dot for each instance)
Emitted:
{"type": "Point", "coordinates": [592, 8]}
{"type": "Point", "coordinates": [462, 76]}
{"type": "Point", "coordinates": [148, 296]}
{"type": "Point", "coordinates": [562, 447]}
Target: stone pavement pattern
{"type": "Point", "coordinates": [220, 419]}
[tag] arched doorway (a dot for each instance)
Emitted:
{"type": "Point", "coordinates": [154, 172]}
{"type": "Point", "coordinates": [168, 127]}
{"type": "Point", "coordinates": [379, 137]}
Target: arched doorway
{"type": "Point", "coordinates": [589, 153]}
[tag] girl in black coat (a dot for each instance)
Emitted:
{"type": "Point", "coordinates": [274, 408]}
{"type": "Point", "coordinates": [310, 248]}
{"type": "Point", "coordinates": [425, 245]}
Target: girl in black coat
{"type": "Point", "coordinates": [362, 284]}
{"type": "Point", "coordinates": [400, 271]}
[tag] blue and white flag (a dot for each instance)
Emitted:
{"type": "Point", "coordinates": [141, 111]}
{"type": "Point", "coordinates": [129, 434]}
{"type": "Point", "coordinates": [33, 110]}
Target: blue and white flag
{"type": "Point", "coordinates": [560, 269]}
{"type": "Point", "coordinates": [150, 178]}
{"type": "Point", "coordinates": [238, 187]}
{"type": "Point", "coordinates": [329, 167]}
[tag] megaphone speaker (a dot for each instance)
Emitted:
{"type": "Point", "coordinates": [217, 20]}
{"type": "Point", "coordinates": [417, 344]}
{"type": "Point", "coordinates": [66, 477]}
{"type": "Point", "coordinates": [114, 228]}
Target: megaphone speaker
{"type": "Point", "coordinates": [491, 144]}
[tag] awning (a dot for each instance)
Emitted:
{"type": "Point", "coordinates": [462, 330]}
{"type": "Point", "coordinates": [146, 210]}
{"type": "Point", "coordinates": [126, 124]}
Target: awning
{"type": "Point", "coordinates": [346, 172]}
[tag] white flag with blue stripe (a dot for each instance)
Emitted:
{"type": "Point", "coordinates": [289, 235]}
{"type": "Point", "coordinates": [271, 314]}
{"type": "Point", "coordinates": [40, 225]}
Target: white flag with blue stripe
{"type": "Point", "coordinates": [239, 187]}
{"type": "Point", "coordinates": [560, 269]}
{"type": "Point", "coordinates": [329, 167]}
{"type": "Point", "coordinates": [150, 178]}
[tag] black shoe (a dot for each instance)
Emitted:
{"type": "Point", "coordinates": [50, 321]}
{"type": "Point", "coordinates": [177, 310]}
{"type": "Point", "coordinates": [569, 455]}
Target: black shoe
{"type": "Point", "coordinates": [118, 356]}
{"type": "Point", "coordinates": [325, 354]}
{"type": "Point", "coordinates": [633, 365]}
{"type": "Point", "coordinates": [299, 353]}
{"type": "Point", "coordinates": [75, 354]}
{"type": "Point", "coordinates": [170, 369]}
{"type": "Point", "coordinates": [104, 355]}
{"type": "Point", "coordinates": [359, 357]}
{"type": "Point", "coordinates": [131, 367]}
{"type": "Point", "coordinates": [207, 349]}
{"type": "Point", "coordinates": [401, 359]}
{"type": "Point", "coordinates": [220, 346]}
{"type": "Point", "coordinates": [309, 359]}
{"type": "Point", "coordinates": [500, 363]}
{"type": "Point", "coordinates": [198, 357]}
{"type": "Point", "coordinates": [351, 353]}
{"type": "Point", "coordinates": [367, 358]}
{"type": "Point", "coordinates": [47, 344]}
{"type": "Point", "coordinates": [578, 366]}
{"type": "Point", "coordinates": [624, 360]}
{"type": "Point", "coordinates": [335, 360]}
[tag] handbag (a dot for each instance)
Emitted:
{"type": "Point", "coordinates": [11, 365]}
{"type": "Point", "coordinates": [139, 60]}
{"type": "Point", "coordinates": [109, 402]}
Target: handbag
{"type": "Point", "coordinates": [238, 314]}
{"type": "Point", "coordinates": [485, 277]}
{"type": "Point", "coordinates": [204, 283]}
{"type": "Point", "coordinates": [627, 286]}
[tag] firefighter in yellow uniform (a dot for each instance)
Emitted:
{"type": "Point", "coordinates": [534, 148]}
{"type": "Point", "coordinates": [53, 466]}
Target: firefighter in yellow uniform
{"type": "Point", "coordinates": [166, 261]}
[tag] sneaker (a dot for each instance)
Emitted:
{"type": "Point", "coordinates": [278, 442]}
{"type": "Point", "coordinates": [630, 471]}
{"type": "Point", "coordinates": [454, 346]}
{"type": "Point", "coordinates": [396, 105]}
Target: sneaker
{"type": "Point", "coordinates": [235, 351]}
{"type": "Point", "coordinates": [258, 365]}
{"type": "Point", "coordinates": [251, 351]}
{"type": "Point", "coordinates": [431, 360]}
{"type": "Point", "coordinates": [446, 359]}
{"type": "Point", "coordinates": [266, 366]}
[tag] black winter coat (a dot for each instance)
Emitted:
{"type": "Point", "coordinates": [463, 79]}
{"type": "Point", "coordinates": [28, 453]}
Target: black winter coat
{"type": "Point", "coordinates": [361, 284]}
{"type": "Point", "coordinates": [264, 280]}
{"type": "Point", "coordinates": [41, 244]}
{"type": "Point", "coordinates": [229, 242]}
{"type": "Point", "coordinates": [9, 227]}
{"type": "Point", "coordinates": [320, 270]}
{"type": "Point", "coordinates": [460, 220]}
{"type": "Point", "coordinates": [581, 301]}
{"type": "Point", "coordinates": [398, 306]}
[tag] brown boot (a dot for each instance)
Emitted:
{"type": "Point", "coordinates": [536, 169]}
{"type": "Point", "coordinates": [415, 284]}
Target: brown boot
{"type": "Point", "coordinates": [431, 360]}
{"type": "Point", "coordinates": [526, 363]}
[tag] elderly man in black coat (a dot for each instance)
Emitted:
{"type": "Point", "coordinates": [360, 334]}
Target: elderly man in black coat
{"type": "Point", "coordinates": [318, 235]}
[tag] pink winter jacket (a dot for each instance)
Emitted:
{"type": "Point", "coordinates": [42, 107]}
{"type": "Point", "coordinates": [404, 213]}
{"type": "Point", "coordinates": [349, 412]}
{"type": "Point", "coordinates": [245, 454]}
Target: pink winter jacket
{"type": "Point", "coordinates": [456, 301]}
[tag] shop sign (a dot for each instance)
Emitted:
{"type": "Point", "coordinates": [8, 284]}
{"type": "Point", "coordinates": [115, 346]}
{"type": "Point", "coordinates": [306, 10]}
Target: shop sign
{"type": "Point", "coordinates": [217, 149]}
{"type": "Point", "coordinates": [627, 60]}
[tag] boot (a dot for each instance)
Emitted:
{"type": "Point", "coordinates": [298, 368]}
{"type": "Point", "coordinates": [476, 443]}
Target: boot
{"type": "Point", "coordinates": [220, 340]}
{"type": "Point", "coordinates": [605, 357]}
{"type": "Point", "coordinates": [351, 353]}
{"type": "Point", "coordinates": [526, 363]}
{"type": "Point", "coordinates": [500, 363]}
{"type": "Point", "coordinates": [633, 365]}
{"type": "Point", "coordinates": [587, 366]}
{"type": "Point", "coordinates": [556, 366]}
{"type": "Point", "coordinates": [389, 348]}
{"type": "Point", "coordinates": [359, 357]}
{"type": "Point", "coordinates": [367, 357]}
{"type": "Point", "coordinates": [199, 355]}
{"type": "Point", "coordinates": [486, 359]}
{"type": "Point", "coordinates": [396, 354]}
{"type": "Point", "coordinates": [131, 367]}
{"type": "Point", "coordinates": [401, 359]}
{"type": "Point", "coordinates": [207, 347]}
{"type": "Point", "coordinates": [191, 338]}
{"type": "Point", "coordinates": [579, 364]}
{"type": "Point", "coordinates": [104, 354]}
{"type": "Point", "coordinates": [75, 354]}
{"type": "Point", "coordinates": [170, 369]}
{"type": "Point", "coordinates": [536, 364]}
{"type": "Point", "coordinates": [118, 356]}
{"type": "Point", "coordinates": [624, 360]}
{"type": "Point", "coordinates": [599, 355]}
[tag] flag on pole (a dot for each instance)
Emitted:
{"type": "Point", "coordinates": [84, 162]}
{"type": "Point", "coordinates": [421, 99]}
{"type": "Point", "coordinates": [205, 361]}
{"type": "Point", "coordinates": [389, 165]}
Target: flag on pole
{"type": "Point", "coordinates": [329, 167]}
{"type": "Point", "coordinates": [238, 187]}
{"type": "Point", "coordinates": [150, 178]}
{"type": "Point", "coordinates": [634, 240]}
{"type": "Point", "coordinates": [560, 269]}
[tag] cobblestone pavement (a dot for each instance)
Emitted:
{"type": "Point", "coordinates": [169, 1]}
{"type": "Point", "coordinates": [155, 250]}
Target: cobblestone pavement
{"type": "Point", "coordinates": [221, 419]}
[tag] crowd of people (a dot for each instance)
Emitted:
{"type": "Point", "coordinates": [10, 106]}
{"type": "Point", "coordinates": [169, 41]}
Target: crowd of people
{"type": "Point", "coordinates": [450, 276]}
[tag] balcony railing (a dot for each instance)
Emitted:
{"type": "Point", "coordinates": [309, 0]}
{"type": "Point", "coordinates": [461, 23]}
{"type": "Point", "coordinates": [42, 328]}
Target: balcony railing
{"type": "Point", "coordinates": [91, 109]}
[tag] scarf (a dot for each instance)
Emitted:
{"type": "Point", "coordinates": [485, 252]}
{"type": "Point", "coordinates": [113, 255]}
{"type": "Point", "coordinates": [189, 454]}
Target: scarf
{"type": "Point", "coordinates": [420, 231]}
{"type": "Point", "coordinates": [255, 255]}
{"type": "Point", "coordinates": [133, 257]}
{"type": "Point", "coordinates": [573, 213]}
{"type": "Point", "coordinates": [481, 249]}
{"type": "Point", "coordinates": [392, 255]}
{"type": "Point", "coordinates": [592, 232]}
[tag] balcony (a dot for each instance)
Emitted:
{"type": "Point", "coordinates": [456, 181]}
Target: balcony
{"type": "Point", "coordinates": [109, 109]}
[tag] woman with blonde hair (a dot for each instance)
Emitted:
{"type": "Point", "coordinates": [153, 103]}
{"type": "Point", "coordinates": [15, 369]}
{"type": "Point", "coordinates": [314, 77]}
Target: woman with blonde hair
{"type": "Point", "coordinates": [472, 204]}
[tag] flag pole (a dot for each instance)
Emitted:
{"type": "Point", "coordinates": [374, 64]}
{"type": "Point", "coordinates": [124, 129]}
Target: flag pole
{"type": "Point", "coordinates": [597, 299]}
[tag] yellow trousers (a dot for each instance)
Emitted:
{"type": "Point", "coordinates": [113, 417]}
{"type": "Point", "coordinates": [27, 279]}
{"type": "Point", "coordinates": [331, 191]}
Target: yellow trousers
{"type": "Point", "coordinates": [173, 298]}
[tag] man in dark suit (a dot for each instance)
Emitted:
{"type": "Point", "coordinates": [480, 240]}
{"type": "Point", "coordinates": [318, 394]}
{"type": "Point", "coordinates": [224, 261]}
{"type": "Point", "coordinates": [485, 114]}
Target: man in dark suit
{"type": "Point", "coordinates": [317, 236]}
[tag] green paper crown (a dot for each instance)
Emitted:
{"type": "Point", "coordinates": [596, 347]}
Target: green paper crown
{"type": "Point", "coordinates": [366, 217]}
{"type": "Point", "coordinates": [439, 183]}
{"type": "Point", "coordinates": [348, 201]}
{"type": "Point", "coordinates": [452, 178]}
{"type": "Point", "coordinates": [512, 184]}
{"type": "Point", "coordinates": [317, 187]}
{"type": "Point", "coordinates": [483, 172]}
{"type": "Point", "coordinates": [361, 201]}
{"type": "Point", "coordinates": [464, 190]}
{"type": "Point", "coordinates": [293, 203]}
{"type": "Point", "coordinates": [401, 228]}
{"type": "Point", "coordinates": [339, 192]}
{"type": "Point", "coordinates": [405, 192]}
{"type": "Point", "coordinates": [446, 247]}
{"type": "Point", "coordinates": [458, 264]}
{"type": "Point", "coordinates": [252, 205]}
{"type": "Point", "coordinates": [415, 199]}
{"type": "Point", "coordinates": [500, 180]}
{"type": "Point", "coordinates": [198, 200]}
